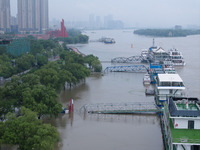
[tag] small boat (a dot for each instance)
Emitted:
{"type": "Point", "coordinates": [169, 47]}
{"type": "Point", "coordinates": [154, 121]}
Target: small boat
{"type": "Point", "coordinates": [109, 41]}
{"type": "Point", "coordinates": [146, 79]}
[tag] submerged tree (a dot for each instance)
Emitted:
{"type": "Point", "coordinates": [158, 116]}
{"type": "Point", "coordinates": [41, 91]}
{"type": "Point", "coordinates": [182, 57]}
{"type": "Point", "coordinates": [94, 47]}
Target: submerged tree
{"type": "Point", "coordinates": [27, 132]}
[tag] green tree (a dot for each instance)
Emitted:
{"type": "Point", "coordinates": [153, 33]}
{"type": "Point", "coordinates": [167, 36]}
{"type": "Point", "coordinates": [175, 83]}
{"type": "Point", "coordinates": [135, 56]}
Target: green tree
{"type": "Point", "coordinates": [30, 80]}
{"type": "Point", "coordinates": [2, 50]}
{"type": "Point", "coordinates": [25, 62]}
{"type": "Point", "coordinates": [5, 105]}
{"type": "Point", "coordinates": [48, 77]}
{"type": "Point", "coordinates": [36, 47]}
{"type": "Point", "coordinates": [79, 71]}
{"type": "Point", "coordinates": [13, 91]}
{"type": "Point", "coordinates": [66, 76]}
{"type": "Point", "coordinates": [97, 66]}
{"type": "Point", "coordinates": [6, 68]}
{"type": "Point", "coordinates": [28, 132]}
{"type": "Point", "coordinates": [41, 60]}
{"type": "Point", "coordinates": [43, 100]}
{"type": "Point", "coordinates": [93, 63]}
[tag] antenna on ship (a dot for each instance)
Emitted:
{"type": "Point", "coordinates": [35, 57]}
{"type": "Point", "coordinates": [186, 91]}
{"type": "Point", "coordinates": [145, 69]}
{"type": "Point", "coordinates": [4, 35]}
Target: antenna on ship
{"type": "Point", "coordinates": [153, 42]}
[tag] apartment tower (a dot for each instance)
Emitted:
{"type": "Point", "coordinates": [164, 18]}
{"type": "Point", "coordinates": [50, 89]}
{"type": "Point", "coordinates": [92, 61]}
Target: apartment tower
{"type": "Point", "coordinates": [5, 15]}
{"type": "Point", "coordinates": [33, 16]}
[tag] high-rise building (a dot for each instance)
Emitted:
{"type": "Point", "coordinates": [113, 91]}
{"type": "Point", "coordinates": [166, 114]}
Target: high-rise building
{"type": "Point", "coordinates": [33, 16]}
{"type": "Point", "coordinates": [44, 15]}
{"type": "Point", "coordinates": [5, 15]}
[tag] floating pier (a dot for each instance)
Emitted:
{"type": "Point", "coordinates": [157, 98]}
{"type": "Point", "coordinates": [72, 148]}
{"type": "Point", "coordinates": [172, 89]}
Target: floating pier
{"type": "Point", "coordinates": [131, 68]}
{"type": "Point", "coordinates": [121, 108]}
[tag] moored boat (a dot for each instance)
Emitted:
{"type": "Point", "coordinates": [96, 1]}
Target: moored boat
{"type": "Point", "coordinates": [109, 41]}
{"type": "Point", "coordinates": [144, 55]}
{"type": "Point", "coordinates": [176, 57]}
{"type": "Point", "coordinates": [146, 79]}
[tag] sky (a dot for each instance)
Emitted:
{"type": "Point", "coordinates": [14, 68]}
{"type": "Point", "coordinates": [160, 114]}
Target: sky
{"type": "Point", "coordinates": [143, 13]}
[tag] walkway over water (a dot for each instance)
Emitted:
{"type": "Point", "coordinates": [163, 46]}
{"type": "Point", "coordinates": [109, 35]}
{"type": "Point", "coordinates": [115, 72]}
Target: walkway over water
{"type": "Point", "coordinates": [131, 68]}
{"type": "Point", "coordinates": [121, 108]}
{"type": "Point", "coordinates": [132, 59]}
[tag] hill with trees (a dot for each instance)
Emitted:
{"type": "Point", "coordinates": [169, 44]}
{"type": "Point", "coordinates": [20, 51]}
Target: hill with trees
{"type": "Point", "coordinates": [166, 32]}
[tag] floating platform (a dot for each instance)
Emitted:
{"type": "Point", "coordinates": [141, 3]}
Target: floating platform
{"type": "Point", "coordinates": [122, 108]}
{"type": "Point", "coordinates": [149, 92]}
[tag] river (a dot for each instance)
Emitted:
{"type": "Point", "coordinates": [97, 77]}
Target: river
{"type": "Point", "coordinates": [121, 132]}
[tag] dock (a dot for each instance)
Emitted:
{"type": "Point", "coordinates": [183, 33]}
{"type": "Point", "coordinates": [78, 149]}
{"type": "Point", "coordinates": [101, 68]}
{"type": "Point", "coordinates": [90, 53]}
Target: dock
{"type": "Point", "coordinates": [121, 108]}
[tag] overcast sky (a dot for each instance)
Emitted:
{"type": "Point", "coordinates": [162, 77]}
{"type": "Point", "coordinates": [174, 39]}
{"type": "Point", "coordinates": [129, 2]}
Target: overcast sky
{"type": "Point", "coordinates": [149, 13]}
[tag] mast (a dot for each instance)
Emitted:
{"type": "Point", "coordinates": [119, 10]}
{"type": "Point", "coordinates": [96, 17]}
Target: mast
{"type": "Point", "coordinates": [153, 42]}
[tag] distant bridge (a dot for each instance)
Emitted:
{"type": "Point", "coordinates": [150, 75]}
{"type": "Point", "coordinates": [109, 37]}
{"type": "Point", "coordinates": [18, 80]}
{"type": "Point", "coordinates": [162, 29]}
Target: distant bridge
{"type": "Point", "coordinates": [132, 59]}
{"type": "Point", "coordinates": [131, 68]}
{"type": "Point", "coordinates": [121, 108]}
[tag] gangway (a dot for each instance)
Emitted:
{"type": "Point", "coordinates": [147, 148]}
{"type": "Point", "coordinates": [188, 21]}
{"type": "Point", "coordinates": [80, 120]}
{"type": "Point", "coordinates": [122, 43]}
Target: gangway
{"type": "Point", "coordinates": [132, 59]}
{"type": "Point", "coordinates": [121, 108]}
{"type": "Point", "coordinates": [130, 68]}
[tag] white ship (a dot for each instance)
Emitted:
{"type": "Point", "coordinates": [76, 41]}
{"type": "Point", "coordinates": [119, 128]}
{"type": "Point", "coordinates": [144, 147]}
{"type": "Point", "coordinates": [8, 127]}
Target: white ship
{"type": "Point", "coordinates": [176, 57]}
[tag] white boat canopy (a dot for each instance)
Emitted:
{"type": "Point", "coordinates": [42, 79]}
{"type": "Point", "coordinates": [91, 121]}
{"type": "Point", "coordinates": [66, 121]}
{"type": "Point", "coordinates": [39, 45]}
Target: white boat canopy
{"type": "Point", "coordinates": [169, 78]}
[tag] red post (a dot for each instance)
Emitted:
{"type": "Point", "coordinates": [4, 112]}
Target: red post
{"type": "Point", "coordinates": [71, 106]}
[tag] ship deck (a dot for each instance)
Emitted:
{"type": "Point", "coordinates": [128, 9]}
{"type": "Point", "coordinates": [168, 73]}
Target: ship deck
{"type": "Point", "coordinates": [185, 135]}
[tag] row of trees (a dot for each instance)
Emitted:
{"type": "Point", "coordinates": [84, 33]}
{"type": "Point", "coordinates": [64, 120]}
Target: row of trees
{"type": "Point", "coordinates": [30, 96]}
{"type": "Point", "coordinates": [10, 65]}
{"type": "Point", "coordinates": [48, 78]}
{"type": "Point", "coordinates": [41, 50]}
{"type": "Point", "coordinates": [74, 40]}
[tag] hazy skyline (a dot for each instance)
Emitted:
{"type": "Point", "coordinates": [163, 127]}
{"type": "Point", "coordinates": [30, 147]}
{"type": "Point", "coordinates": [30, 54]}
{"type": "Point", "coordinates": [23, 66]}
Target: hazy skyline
{"type": "Point", "coordinates": [143, 13]}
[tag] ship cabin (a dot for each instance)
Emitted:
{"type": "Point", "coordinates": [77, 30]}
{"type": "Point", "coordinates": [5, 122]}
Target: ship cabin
{"type": "Point", "coordinates": [182, 117]}
{"type": "Point", "coordinates": [168, 85]}
{"type": "Point", "coordinates": [158, 54]}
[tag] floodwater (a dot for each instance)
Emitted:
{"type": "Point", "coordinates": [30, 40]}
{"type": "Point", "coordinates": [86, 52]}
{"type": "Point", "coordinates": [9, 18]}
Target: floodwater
{"type": "Point", "coordinates": [121, 132]}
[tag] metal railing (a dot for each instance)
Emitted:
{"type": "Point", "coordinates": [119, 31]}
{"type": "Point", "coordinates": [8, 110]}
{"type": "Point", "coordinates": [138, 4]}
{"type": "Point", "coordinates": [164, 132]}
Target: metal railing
{"type": "Point", "coordinates": [131, 68]}
{"type": "Point", "coordinates": [134, 107]}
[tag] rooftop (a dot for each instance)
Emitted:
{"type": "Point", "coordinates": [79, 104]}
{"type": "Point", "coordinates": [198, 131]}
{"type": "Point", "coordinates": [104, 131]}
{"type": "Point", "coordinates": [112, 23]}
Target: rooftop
{"type": "Point", "coordinates": [184, 107]}
{"type": "Point", "coordinates": [159, 50]}
{"type": "Point", "coordinates": [169, 78]}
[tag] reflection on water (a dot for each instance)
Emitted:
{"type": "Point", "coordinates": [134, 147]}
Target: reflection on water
{"type": "Point", "coordinates": [134, 119]}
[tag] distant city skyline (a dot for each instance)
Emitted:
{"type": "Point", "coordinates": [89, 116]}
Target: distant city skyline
{"type": "Point", "coordinates": [144, 13]}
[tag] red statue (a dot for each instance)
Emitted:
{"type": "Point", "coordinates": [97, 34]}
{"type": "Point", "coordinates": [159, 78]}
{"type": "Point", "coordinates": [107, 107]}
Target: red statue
{"type": "Point", "coordinates": [59, 33]}
{"type": "Point", "coordinates": [63, 32]}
